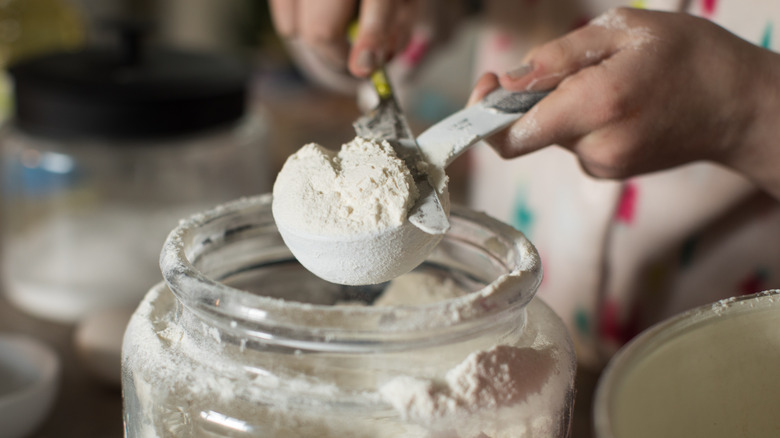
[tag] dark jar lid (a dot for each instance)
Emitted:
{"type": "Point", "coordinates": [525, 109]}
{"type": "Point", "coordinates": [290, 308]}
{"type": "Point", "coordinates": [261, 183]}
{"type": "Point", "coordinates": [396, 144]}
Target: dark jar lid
{"type": "Point", "coordinates": [125, 94]}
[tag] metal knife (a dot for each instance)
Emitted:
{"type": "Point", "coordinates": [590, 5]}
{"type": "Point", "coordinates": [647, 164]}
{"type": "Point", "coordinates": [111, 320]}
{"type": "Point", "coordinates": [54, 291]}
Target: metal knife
{"type": "Point", "coordinates": [387, 122]}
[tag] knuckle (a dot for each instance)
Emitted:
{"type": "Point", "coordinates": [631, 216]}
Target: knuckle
{"type": "Point", "coordinates": [598, 170]}
{"type": "Point", "coordinates": [610, 103]}
{"type": "Point", "coordinates": [612, 109]}
{"type": "Point", "coordinates": [604, 159]}
{"type": "Point", "coordinates": [560, 50]}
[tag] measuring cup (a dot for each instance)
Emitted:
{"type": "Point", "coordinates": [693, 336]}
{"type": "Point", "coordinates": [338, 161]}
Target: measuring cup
{"type": "Point", "coordinates": [375, 257]}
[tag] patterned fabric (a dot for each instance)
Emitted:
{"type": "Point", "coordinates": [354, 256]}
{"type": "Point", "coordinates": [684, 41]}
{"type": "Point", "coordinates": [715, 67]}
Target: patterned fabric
{"type": "Point", "coordinates": [620, 256]}
{"type": "Point", "coordinates": [617, 256]}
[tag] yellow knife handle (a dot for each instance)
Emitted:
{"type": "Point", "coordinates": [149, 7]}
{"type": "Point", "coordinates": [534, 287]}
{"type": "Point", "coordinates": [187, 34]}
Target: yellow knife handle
{"type": "Point", "coordinates": [381, 84]}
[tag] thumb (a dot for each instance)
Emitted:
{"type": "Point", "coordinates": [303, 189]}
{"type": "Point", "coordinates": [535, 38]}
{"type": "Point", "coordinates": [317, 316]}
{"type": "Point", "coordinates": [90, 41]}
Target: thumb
{"type": "Point", "coordinates": [485, 84]}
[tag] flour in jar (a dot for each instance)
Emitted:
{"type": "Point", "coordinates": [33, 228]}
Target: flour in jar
{"type": "Point", "coordinates": [497, 388]}
{"type": "Point", "coordinates": [495, 378]}
{"type": "Point", "coordinates": [418, 288]}
{"type": "Point", "coordinates": [365, 187]}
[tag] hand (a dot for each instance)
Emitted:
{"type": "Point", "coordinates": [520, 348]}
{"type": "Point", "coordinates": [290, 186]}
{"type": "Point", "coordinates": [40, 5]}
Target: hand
{"type": "Point", "coordinates": [638, 91]}
{"type": "Point", "coordinates": [321, 25]}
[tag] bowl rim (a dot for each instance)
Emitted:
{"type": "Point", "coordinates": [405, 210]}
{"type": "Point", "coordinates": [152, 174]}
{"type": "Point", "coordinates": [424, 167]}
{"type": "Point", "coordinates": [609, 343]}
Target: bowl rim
{"type": "Point", "coordinates": [36, 356]}
{"type": "Point", "coordinates": [35, 399]}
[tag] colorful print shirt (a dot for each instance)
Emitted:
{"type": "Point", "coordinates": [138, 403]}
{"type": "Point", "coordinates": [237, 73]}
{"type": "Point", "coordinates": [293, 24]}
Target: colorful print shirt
{"type": "Point", "coordinates": [617, 256]}
{"type": "Point", "coordinates": [620, 256]}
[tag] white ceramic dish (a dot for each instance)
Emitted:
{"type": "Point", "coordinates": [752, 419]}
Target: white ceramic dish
{"type": "Point", "coordinates": [710, 372]}
{"type": "Point", "coordinates": [29, 376]}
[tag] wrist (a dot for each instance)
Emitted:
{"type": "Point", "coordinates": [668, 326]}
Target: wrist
{"type": "Point", "coordinates": [757, 153]}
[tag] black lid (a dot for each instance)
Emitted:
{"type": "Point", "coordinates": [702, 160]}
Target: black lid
{"type": "Point", "coordinates": [127, 93]}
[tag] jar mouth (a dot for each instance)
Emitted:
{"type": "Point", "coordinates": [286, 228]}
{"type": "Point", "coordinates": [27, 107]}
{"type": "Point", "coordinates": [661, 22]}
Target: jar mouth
{"type": "Point", "coordinates": [225, 242]}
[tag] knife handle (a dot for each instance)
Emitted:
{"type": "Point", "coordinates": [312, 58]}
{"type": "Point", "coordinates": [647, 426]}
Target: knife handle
{"type": "Point", "coordinates": [443, 142]}
{"type": "Point", "coordinates": [513, 101]}
{"type": "Point", "coordinates": [381, 84]}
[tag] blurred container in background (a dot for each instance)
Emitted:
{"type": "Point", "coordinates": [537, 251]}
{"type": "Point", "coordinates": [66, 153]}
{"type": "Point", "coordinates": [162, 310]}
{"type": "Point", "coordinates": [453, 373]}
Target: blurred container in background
{"type": "Point", "coordinates": [107, 149]}
{"type": "Point", "coordinates": [32, 27]}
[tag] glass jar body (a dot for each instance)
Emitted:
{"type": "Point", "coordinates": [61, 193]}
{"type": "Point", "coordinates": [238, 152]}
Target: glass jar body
{"type": "Point", "coordinates": [198, 363]}
{"type": "Point", "coordinates": [83, 219]}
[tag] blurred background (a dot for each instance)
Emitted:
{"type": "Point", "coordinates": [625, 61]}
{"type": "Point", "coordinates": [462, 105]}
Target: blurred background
{"type": "Point", "coordinates": [120, 117]}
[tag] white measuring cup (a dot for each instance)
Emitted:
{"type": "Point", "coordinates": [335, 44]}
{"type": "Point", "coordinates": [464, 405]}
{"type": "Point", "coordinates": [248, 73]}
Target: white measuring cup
{"type": "Point", "coordinates": [376, 257]}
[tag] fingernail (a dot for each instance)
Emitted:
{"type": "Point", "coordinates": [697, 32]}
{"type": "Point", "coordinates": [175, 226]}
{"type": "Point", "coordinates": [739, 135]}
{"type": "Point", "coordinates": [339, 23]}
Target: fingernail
{"type": "Point", "coordinates": [521, 71]}
{"type": "Point", "coordinates": [367, 60]}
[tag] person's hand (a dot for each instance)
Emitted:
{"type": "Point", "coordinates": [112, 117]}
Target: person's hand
{"type": "Point", "coordinates": [321, 26]}
{"type": "Point", "coordinates": [637, 91]}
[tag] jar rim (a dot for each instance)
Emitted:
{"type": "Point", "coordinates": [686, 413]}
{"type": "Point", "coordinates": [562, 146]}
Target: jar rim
{"type": "Point", "coordinates": [300, 324]}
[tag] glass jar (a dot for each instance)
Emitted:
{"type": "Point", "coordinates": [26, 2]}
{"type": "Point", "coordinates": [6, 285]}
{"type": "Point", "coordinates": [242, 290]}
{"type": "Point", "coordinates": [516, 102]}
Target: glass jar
{"type": "Point", "coordinates": [83, 221]}
{"type": "Point", "coordinates": [101, 160]}
{"type": "Point", "coordinates": [709, 372]}
{"type": "Point", "coordinates": [242, 341]}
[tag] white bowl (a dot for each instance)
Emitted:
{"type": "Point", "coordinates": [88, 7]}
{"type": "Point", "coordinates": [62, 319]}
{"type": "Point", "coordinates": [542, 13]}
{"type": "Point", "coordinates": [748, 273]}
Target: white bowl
{"type": "Point", "coordinates": [708, 372]}
{"type": "Point", "coordinates": [29, 374]}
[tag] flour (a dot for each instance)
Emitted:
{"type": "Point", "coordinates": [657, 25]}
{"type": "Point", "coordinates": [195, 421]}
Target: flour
{"type": "Point", "coordinates": [180, 381]}
{"type": "Point", "coordinates": [614, 19]}
{"type": "Point", "coordinates": [344, 215]}
{"type": "Point", "coordinates": [187, 381]}
{"type": "Point", "coordinates": [501, 376]}
{"type": "Point", "coordinates": [418, 288]}
{"type": "Point", "coordinates": [365, 187]}
{"type": "Point", "coordinates": [527, 127]}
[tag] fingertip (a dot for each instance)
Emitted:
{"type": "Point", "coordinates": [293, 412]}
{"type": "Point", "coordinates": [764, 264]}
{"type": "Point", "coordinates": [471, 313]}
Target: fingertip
{"type": "Point", "coordinates": [283, 17]}
{"type": "Point", "coordinates": [364, 59]}
{"type": "Point", "coordinates": [484, 85]}
{"type": "Point", "coordinates": [507, 146]}
{"type": "Point", "coordinates": [374, 43]}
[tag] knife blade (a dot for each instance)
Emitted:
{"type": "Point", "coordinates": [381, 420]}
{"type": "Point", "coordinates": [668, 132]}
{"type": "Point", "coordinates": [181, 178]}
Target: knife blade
{"type": "Point", "coordinates": [386, 121]}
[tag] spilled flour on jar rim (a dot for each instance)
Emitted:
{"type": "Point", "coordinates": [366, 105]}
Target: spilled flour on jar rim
{"type": "Point", "coordinates": [363, 188]}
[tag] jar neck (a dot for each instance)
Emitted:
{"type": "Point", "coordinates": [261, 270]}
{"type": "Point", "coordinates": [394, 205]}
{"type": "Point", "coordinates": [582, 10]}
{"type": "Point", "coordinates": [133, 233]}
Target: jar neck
{"type": "Point", "coordinates": [205, 252]}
